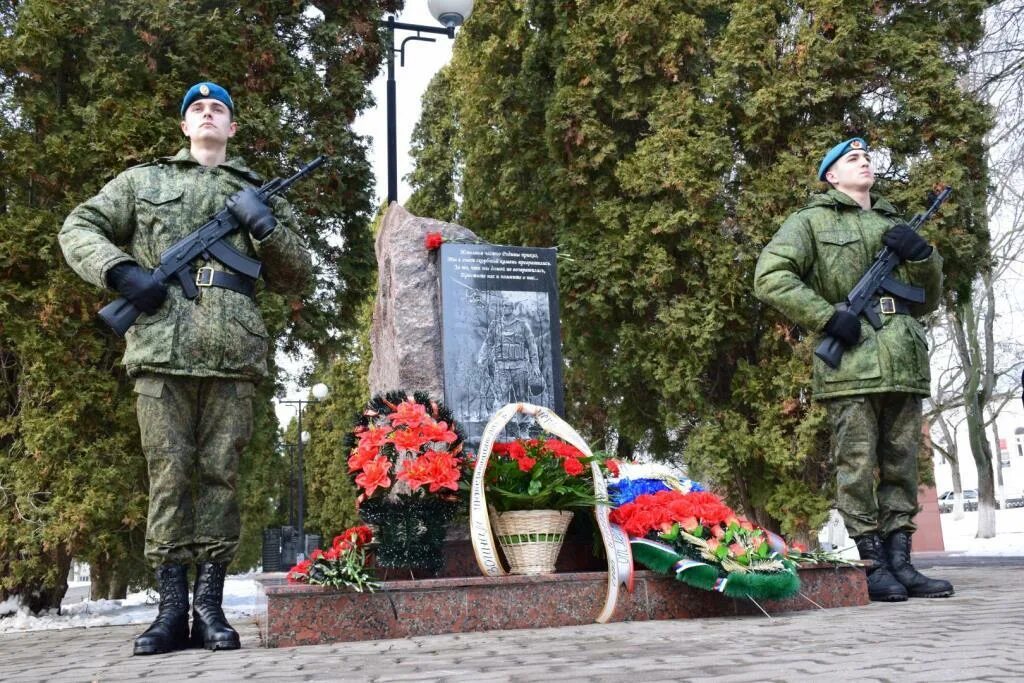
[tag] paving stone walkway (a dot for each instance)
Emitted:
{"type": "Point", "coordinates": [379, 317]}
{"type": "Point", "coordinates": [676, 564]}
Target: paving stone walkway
{"type": "Point", "coordinates": [978, 634]}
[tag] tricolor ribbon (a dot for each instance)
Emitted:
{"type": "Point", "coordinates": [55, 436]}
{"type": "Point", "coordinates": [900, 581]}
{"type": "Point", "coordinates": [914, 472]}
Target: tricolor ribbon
{"type": "Point", "coordinates": [616, 543]}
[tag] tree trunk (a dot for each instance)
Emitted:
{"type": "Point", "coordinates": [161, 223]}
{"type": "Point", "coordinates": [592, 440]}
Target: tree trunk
{"type": "Point", "coordinates": [998, 463]}
{"type": "Point", "coordinates": [118, 588]}
{"type": "Point", "coordinates": [986, 480]}
{"type": "Point", "coordinates": [99, 580]}
{"type": "Point", "coordinates": [952, 456]}
{"type": "Point", "coordinates": [49, 597]}
{"type": "Point", "coordinates": [977, 391]}
{"type": "Point", "coordinates": [958, 492]}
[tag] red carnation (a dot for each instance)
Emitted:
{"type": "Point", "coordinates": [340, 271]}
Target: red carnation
{"type": "Point", "coordinates": [572, 466]}
{"type": "Point", "coordinates": [300, 572]}
{"type": "Point", "coordinates": [362, 533]}
{"type": "Point", "coordinates": [433, 241]}
{"type": "Point", "coordinates": [562, 449]}
{"type": "Point", "coordinates": [525, 463]}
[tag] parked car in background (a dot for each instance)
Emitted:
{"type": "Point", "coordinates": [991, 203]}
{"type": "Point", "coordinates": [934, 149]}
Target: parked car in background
{"type": "Point", "coordinates": [970, 500]}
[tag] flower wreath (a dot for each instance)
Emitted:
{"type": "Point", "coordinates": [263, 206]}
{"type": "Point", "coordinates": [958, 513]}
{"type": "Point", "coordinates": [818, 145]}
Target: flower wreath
{"type": "Point", "coordinates": [406, 459]}
{"type": "Point", "coordinates": [413, 438]}
{"type": "Point", "coordinates": [678, 528]}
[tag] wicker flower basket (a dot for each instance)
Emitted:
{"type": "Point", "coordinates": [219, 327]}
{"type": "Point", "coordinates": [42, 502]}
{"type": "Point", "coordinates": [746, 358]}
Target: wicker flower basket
{"type": "Point", "coordinates": [531, 539]}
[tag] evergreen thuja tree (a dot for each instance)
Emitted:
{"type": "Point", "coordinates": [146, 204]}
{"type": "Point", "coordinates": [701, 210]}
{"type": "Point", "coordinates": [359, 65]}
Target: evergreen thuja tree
{"type": "Point", "coordinates": [659, 144]}
{"type": "Point", "coordinates": [87, 89]}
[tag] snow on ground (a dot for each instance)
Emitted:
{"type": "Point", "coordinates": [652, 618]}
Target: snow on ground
{"type": "Point", "coordinates": [240, 590]}
{"type": "Point", "coordinates": [958, 535]}
{"type": "Point", "coordinates": [137, 608]}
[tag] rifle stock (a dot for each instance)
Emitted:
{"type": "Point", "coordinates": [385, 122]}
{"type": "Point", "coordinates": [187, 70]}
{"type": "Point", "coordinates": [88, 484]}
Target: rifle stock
{"type": "Point", "coordinates": [119, 315]}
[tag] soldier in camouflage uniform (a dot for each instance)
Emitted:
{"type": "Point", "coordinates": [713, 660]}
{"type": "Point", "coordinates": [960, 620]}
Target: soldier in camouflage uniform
{"type": "Point", "coordinates": [874, 397]}
{"type": "Point", "coordinates": [195, 362]}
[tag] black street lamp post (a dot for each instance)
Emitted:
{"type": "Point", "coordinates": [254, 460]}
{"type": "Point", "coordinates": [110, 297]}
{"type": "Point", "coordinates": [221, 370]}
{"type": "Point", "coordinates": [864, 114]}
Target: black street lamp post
{"type": "Point", "coordinates": [319, 392]}
{"type": "Point", "coordinates": [292, 489]}
{"type": "Point", "coordinates": [450, 13]}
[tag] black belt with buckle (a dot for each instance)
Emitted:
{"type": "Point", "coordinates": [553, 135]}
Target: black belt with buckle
{"type": "Point", "coordinates": [208, 277]}
{"type": "Point", "coordinates": [890, 305]}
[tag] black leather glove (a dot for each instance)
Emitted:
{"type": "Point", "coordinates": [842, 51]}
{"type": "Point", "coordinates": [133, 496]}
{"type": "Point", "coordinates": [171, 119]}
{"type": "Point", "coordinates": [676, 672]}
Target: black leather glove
{"type": "Point", "coordinates": [906, 243]}
{"type": "Point", "coordinates": [252, 212]}
{"type": "Point", "coordinates": [845, 327]}
{"type": "Point", "coordinates": [136, 284]}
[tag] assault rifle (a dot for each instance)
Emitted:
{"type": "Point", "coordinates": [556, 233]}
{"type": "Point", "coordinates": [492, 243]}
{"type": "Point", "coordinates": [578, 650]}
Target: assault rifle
{"type": "Point", "coordinates": [208, 242]}
{"type": "Point", "coordinates": [875, 281]}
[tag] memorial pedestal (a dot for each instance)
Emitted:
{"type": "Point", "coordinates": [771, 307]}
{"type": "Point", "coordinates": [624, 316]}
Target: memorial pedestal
{"type": "Point", "coordinates": [299, 614]}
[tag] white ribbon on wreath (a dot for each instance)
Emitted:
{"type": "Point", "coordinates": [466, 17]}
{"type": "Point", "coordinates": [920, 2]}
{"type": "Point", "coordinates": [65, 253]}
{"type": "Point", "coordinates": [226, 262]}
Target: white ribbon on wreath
{"type": "Point", "coordinates": [616, 543]}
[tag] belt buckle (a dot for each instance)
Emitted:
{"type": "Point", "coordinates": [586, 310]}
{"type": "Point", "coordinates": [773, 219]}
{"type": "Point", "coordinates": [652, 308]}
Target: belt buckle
{"type": "Point", "coordinates": [887, 305]}
{"type": "Point", "coordinates": [204, 277]}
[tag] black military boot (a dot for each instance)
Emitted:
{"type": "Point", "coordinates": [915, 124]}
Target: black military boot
{"type": "Point", "coordinates": [917, 584]}
{"type": "Point", "coordinates": [882, 585]}
{"type": "Point", "coordinates": [169, 631]}
{"type": "Point", "coordinates": [210, 628]}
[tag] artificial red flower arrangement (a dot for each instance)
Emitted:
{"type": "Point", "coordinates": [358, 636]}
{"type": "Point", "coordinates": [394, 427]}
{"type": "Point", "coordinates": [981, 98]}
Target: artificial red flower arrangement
{"type": "Point", "coordinates": [343, 565]}
{"type": "Point", "coordinates": [549, 474]}
{"type": "Point", "coordinates": [407, 439]}
{"type": "Point", "coordinates": [407, 462]}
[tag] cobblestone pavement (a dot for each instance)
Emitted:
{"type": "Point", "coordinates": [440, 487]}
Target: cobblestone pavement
{"type": "Point", "coordinates": [975, 635]}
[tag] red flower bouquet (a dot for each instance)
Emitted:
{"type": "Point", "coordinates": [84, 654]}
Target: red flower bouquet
{"type": "Point", "coordinates": [343, 565]}
{"type": "Point", "coordinates": [538, 474]}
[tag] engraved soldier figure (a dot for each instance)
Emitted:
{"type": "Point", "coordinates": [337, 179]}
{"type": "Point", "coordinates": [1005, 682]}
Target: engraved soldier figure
{"type": "Point", "coordinates": [194, 362]}
{"type": "Point", "coordinates": [874, 397]}
{"type": "Point", "coordinates": [509, 355]}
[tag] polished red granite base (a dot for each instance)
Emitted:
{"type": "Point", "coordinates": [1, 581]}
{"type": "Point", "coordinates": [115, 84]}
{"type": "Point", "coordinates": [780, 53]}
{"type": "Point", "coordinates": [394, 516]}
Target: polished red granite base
{"type": "Point", "coordinates": [295, 614]}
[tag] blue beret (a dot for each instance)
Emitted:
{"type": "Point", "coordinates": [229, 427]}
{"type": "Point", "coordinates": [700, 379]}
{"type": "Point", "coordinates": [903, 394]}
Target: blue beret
{"type": "Point", "coordinates": [838, 151]}
{"type": "Point", "coordinates": [206, 90]}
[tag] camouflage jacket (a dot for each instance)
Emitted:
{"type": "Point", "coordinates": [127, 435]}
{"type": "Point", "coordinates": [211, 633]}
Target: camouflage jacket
{"type": "Point", "coordinates": [146, 209]}
{"type": "Point", "coordinates": [813, 262]}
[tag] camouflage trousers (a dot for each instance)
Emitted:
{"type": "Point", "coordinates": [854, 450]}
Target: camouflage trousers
{"type": "Point", "coordinates": [877, 437]}
{"type": "Point", "coordinates": [194, 430]}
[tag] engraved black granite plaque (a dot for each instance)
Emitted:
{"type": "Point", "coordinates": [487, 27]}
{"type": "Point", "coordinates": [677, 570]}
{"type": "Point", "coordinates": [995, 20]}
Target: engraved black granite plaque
{"type": "Point", "coordinates": [501, 336]}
